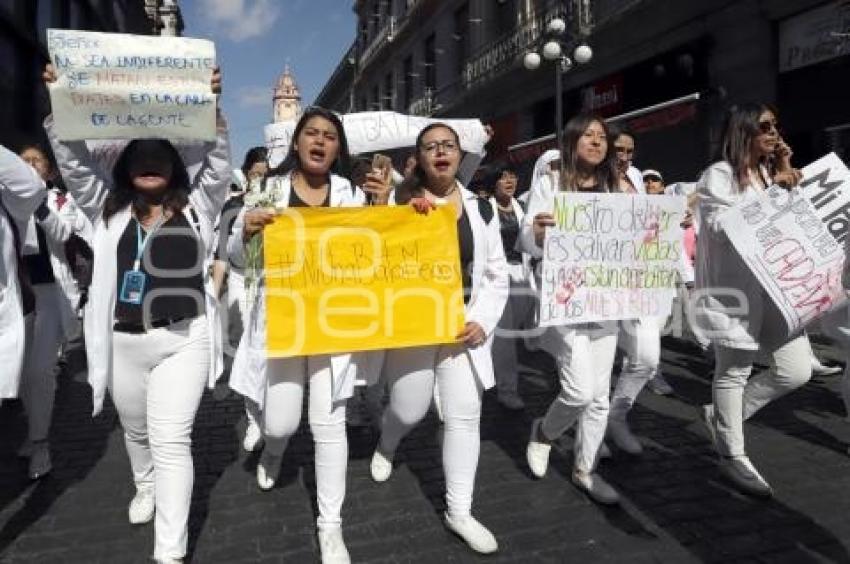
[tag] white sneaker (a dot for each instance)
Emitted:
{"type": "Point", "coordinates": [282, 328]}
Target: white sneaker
{"type": "Point", "coordinates": [143, 505]}
{"type": "Point", "coordinates": [253, 440]}
{"type": "Point", "coordinates": [537, 453]}
{"type": "Point", "coordinates": [707, 417]}
{"type": "Point", "coordinates": [819, 369]}
{"type": "Point", "coordinates": [381, 467]}
{"type": "Point", "coordinates": [511, 400]}
{"type": "Point", "coordinates": [741, 472]}
{"type": "Point", "coordinates": [332, 546]}
{"type": "Point", "coordinates": [268, 469]}
{"type": "Point", "coordinates": [595, 487]}
{"type": "Point", "coordinates": [473, 533]}
{"type": "Point", "coordinates": [659, 385]}
{"type": "Point", "coordinates": [40, 464]}
{"type": "Point", "coordinates": [623, 437]}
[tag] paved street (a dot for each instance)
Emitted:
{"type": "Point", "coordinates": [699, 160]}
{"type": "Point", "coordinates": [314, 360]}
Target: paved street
{"type": "Point", "coordinates": [676, 506]}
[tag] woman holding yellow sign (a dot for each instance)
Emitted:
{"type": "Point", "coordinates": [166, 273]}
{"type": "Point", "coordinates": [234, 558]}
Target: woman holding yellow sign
{"type": "Point", "coordinates": [311, 176]}
{"type": "Point", "coordinates": [462, 370]}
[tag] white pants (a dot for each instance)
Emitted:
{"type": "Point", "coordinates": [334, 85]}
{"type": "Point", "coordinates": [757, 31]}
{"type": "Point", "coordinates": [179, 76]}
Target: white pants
{"type": "Point", "coordinates": [640, 340]}
{"type": "Point", "coordinates": [514, 318]}
{"type": "Point", "coordinates": [38, 378]}
{"type": "Point", "coordinates": [737, 396]}
{"type": "Point", "coordinates": [282, 414]}
{"type": "Point", "coordinates": [410, 374]}
{"type": "Point", "coordinates": [585, 357]}
{"type": "Point", "coordinates": [837, 326]}
{"type": "Point", "coordinates": [235, 317]}
{"type": "Point", "coordinates": [157, 381]}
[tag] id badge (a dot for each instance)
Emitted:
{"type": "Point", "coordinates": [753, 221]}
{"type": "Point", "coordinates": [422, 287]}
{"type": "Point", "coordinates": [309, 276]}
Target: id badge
{"type": "Point", "coordinates": [133, 287]}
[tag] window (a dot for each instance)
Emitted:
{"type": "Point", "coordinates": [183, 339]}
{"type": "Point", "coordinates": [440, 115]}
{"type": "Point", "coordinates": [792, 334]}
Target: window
{"type": "Point", "coordinates": [389, 92]}
{"type": "Point", "coordinates": [461, 36]}
{"type": "Point", "coordinates": [506, 17]}
{"type": "Point", "coordinates": [408, 77]}
{"type": "Point", "coordinates": [431, 62]}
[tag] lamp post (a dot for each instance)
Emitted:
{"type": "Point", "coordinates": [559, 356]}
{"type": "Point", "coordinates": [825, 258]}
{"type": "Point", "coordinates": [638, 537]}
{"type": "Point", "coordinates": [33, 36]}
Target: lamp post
{"type": "Point", "coordinates": [555, 49]}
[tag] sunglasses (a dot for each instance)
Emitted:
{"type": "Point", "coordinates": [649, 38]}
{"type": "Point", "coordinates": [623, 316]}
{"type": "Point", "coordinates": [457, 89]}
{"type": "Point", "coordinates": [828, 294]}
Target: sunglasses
{"type": "Point", "coordinates": [768, 125]}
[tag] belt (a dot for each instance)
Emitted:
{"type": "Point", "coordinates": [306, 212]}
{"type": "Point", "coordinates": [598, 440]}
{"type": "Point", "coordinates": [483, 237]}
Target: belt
{"type": "Point", "coordinates": [133, 327]}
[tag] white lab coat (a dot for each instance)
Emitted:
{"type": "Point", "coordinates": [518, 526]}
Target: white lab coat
{"type": "Point", "coordinates": [21, 192]}
{"type": "Point", "coordinates": [248, 375]}
{"type": "Point", "coordinates": [719, 267]}
{"type": "Point", "coordinates": [209, 189]}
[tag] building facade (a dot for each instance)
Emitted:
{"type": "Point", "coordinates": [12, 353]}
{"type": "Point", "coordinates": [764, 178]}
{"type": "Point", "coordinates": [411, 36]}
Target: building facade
{"type": "Point", "coordinates": [669, 67]}
{"type": "Point", "coordinates": [23, 49]}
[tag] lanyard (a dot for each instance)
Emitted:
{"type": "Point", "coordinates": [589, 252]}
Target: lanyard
{"type": "Point", "coordinates": [141, 242]}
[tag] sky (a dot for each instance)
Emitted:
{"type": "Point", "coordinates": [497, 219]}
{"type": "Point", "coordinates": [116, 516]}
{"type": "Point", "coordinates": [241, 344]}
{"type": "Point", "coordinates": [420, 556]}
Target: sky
{"type": "Point", "coordinates": [255, 39]}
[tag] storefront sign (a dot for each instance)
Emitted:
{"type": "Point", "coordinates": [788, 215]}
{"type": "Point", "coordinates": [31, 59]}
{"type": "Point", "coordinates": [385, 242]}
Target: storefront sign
{"type": "Point", "coordinates": [605, 97]}
{"type": "Point", "coordinates": [815, 36]}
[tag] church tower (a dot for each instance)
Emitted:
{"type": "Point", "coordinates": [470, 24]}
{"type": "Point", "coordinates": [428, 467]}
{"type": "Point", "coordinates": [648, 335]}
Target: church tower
{"type": "Point", "coordinates": [287, 98]}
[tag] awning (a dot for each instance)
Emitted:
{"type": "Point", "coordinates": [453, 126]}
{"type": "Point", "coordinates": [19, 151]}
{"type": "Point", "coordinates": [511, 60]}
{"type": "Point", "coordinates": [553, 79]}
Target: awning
{"type": "Point", "coordinates": [645, 119]}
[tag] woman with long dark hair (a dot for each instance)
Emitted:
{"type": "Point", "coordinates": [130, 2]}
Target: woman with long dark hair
{"type": "Point", "coordinates": [312, 175]}
{"type": "Point", "coordinates": [584, 353]}
{"type": "Point", "coordinates": [753, 157]}
{"type": "Point", "coordinates": [55, 309]}
{"type": "Point", "coordinates": [503, 183]}
{"type": "Point", "coordinates": [462, 370]}
{"type": "Point", "coordinates": [152, 329]}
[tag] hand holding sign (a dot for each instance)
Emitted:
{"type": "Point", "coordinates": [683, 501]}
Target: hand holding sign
{"type": "Point", "coordinates": [119, 86]}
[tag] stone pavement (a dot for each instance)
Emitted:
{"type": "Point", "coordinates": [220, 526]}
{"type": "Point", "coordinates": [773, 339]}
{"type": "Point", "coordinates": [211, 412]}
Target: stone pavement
{"type": "Point", "coordinates": [676, 506]}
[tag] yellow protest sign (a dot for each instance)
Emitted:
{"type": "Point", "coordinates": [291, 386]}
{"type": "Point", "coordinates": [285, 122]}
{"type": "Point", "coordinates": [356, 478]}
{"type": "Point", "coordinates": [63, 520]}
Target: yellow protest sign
{"type": "Point", "coordinates": [353, 279]}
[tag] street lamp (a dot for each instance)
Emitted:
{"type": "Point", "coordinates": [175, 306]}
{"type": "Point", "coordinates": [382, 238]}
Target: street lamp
{"type": "Point", "coordinates": [554, 50]}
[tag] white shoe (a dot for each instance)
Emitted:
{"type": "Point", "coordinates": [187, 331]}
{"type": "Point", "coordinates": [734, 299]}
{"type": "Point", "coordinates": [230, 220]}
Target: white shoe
{"type": "Point", "coordinates": [658, 385]}
{"type": "Point", "coordinates": [595, 487]}
{"type": "Point", "coordinates": [819, 369]}
{"type": "Point", "coordinates": [741, 472]}
{"type": "Point", "coordinates": [707, 417]}
{"type": "Point", "coordinates": [143, 505]}
{"type": "Point", "coordinates": [473, 533]}
{"type": "Point", "coordinates": [268, 469]}
{"type": "Point", "coordinates": [381, 467]}
{"type": "Point", "coordinates": [537, 453]}
{"type": "Point", "coordinates": [511, 400]}
{"type": "Point", "coordinates": [40, 464]}
{"type": "Point", "coordinates": [253, 440]}
{"type": "Point", "coordinates": [623, 437]}
{"type": "Point", "coordinates": [332, 546]}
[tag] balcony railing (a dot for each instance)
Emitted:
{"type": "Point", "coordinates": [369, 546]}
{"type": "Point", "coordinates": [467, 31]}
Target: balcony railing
{"type": "Point", "coordinates": [504, 53]}
{"type": "Point", "coordinates": [393, 27]}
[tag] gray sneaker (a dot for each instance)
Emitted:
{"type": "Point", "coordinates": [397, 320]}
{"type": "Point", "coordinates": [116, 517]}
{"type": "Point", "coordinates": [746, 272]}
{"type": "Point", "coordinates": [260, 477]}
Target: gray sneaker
{"type": "Point", "coordinates": [595, 487]}
{"type": "Point", "coordinates": [741, 472]}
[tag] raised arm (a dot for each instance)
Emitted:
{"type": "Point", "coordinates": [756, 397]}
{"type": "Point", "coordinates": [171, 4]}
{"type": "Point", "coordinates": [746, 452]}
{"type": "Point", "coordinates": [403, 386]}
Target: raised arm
{"type": "Point", "coordinates": [21, 189]}
{"type": "Point", "coordinates": [209, 188]}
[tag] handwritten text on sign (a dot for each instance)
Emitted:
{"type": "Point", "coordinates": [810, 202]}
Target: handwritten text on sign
{"type": "Point", "coordinates": [379, 131]}
{"type": "Point", "coordinates": [118, 86]}
{"type": "Point", "coordinates": [790, 251]}
{"type": "Point", "coordinates": [609, 257]}
{"type": "Point", "coordinates": [335, 285]}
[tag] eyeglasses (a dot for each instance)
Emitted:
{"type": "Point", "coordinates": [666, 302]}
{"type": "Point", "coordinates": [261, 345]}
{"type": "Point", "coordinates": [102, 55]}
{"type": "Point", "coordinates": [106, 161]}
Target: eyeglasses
{"type": "Point", "coordinates": [446, 146]}
{"type": "Point", "coordinates": [768, 125]}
